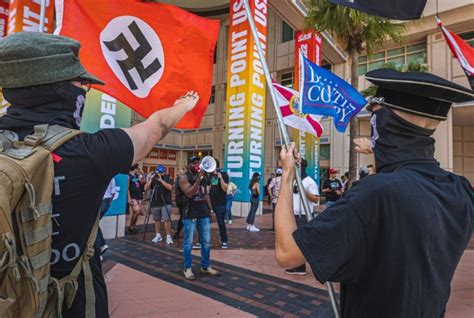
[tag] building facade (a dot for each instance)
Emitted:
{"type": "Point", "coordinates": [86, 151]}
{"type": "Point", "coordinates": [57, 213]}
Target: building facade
{"type": "Point", "coordinates": [423, 43]}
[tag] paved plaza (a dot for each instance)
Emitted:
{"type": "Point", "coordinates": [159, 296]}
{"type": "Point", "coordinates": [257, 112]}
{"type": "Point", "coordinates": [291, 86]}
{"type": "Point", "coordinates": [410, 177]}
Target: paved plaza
{"type": "Point", "coordinates": [145, 280]}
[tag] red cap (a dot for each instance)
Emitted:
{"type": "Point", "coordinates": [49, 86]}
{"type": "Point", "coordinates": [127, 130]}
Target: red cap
{"type": "Point", "coordinates": [332, 171]}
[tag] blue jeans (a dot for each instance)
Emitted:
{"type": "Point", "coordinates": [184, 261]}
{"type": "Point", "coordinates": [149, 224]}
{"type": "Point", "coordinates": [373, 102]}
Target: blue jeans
{"type": "Point", "coordinates": [228, 207]}
{"type": "Point", "coordinates": [204, 229]}
{"type": "Point", "coordinates": [330, 204]}
{"type": "Point", "coordinates": [254, 203]}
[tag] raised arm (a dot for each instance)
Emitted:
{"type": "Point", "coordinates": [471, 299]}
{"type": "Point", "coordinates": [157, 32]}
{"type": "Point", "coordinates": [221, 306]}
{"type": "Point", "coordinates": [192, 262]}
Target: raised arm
{"type": "Point", "coordinates": [145, 135]}
{"type": "Point", "coordinates": [287, 252]}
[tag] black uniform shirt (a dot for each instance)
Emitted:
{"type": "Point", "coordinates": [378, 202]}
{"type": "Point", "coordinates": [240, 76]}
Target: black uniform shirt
{"type": "Point", "coordinates": [88, 162]}
{"type": "Point", "coordinates": [393, 241]}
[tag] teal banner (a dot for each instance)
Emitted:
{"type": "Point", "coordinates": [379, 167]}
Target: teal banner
{"type": "Point", "coordinates": [104, 112]}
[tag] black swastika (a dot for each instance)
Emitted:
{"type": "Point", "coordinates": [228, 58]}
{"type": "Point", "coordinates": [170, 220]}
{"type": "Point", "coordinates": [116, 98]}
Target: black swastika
{"type": "Point", "coordinates": [134, 57]}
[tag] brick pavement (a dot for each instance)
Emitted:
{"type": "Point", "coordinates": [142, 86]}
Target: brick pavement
{"type": "Point", "coordinates": [256, 293]}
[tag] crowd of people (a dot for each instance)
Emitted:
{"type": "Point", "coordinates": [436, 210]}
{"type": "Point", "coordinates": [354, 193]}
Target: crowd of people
{"type": "Point", "coordinates": [201, 198]}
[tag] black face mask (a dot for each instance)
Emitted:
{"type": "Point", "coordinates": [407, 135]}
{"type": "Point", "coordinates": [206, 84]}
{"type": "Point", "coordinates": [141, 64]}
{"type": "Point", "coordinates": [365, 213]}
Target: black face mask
{"type": "Point", "coordinates": [54, 104]}
{"type": "Point", "coordinates": [395, 141]}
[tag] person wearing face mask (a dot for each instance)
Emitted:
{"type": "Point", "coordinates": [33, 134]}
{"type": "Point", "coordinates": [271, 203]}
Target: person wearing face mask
{"type": "Point", "coordinates": [394, 240]}
{"type": "Point", "coordinates": [45, 83]}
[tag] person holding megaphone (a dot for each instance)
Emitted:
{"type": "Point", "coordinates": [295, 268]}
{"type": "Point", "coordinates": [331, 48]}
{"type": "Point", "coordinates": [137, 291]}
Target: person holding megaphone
{"type": "Point", "coordinates": [197, 213]}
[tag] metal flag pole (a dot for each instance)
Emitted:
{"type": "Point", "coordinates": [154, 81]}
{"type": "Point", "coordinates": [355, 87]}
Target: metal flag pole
{"type": "Point", "coordinates": [42, 16]}
{"type": "Point", "coordinates": [286, 138]}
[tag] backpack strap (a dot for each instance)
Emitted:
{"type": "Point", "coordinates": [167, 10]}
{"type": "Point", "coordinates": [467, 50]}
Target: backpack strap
{"type": "Point", "coordinates": [68, 285]}
{"type": "Point", "coordinates": [50, 137]}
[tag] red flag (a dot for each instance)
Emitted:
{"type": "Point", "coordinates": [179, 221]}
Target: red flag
{"type": "Point", "coordinates": [148, 54]}
{"type": "Point", "coordinates": [462, 51]}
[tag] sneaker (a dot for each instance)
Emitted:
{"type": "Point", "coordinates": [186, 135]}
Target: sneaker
{"type": "Point", "coordinates": [197, 246]}
{"type": "Point", "coordinates": [188, 274]}
{"type": "Point", "coordinates": [253, 228]}
{"type": "Point", "coordinates": [157, 239]}
{"type": "Point", "coordinates": [293, 271]}
{"type": "Point", "coordinates": [169, 240]}
{"type": "Point", "coordinates": [132, 230]}
{"type": "Point", "coordinates": [103, 249]}
{"type": "Point", "coordinates": [248, 227]}
{"type": "Point", "coordinates": [229, 222]}
{"type": "Point", "coordinates": [210, 271]}
{"type": "Point", "coordinates": [225, 246]}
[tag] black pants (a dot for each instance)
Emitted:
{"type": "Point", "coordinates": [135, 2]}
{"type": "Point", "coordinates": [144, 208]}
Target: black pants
{"type": "Point", "coordinates": [220, 211]}
{"type": "Point", "coordinates": [273, 216]}
{"type": "Point", "coordinates": [300, 221]}
{"type": "Point", "coordinates": [180, 222]}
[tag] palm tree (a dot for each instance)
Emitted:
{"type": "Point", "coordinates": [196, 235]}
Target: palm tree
{"type": "Point", "coordinates": [355, 31]}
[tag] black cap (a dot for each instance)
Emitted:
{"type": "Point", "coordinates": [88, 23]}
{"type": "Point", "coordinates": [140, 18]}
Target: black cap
{"type": "Point", "coordinates": [194, 158]}
{"type": "Point", "coordinates": [419, 93]}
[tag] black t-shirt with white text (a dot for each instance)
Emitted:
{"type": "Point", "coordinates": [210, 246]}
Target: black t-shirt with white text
{"type": "Point", "coordinates": [393, 241]}
{"type": "Point", "coordinates": [162, 196]}
{"type": "Point", "coordinates": [217, 195]}
{"type": "Point", "coordinates": [81, 174]}
{"type": "Point", "coordinates": [333, 185]}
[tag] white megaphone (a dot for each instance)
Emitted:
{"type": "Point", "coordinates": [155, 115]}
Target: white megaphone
{"type": "Point", "coordinates": [208, 164]}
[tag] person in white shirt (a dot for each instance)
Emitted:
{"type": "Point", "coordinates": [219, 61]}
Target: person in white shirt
{"type": "Point", "coordinates": [274, 191]}
{"type": "Point", "coordinates": [312, 193]}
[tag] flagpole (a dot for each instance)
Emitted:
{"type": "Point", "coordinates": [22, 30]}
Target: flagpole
{"type": "Point", "coordinates": [42, 16]}
{"type": "Point", "coordinates": [286, 138]}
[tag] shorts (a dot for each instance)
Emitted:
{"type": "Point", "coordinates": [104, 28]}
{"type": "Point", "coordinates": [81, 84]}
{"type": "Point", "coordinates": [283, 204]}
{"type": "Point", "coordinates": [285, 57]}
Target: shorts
{"type": "Point", "coordinates": [135, 204]}
{"type": "Point", "coordinates": [161, 213]}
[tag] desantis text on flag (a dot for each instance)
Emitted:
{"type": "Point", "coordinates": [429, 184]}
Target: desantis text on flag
{"type": "Point", "coordinates": [148, 54]}
{"type": "Point", "coordinates": [324, 93]}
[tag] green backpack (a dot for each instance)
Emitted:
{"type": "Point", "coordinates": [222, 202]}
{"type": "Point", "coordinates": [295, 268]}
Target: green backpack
{"type": "Point", "coordinates": [26, 188]}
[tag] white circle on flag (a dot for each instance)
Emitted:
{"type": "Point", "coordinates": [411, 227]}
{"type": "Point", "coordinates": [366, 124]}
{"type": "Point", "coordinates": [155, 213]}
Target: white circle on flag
{"type": "Point", "coordinates": [134, 52]}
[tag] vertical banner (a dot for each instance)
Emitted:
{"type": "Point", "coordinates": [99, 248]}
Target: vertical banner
{"type": "Point", "coordinates": [104, 112]}
{"type": "Point", "coordinates": [308, 43]}
{"type": "Point", "coordinates": [245, 109]}
{"type": "Point", "coordinates": [24, 15]}
{"type": "Point", "coordinates": [3, 18]}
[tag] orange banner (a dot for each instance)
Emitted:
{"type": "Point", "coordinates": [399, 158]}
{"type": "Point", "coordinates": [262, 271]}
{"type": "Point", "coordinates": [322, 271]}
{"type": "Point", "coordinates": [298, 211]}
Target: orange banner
{"type": "Point", "coordinates": [308, 43]}
{"type": "Point", "coordinates": [25, 15]}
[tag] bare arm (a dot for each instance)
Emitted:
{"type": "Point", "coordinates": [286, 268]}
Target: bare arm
{"type": "Point", "coordinates": [145, 135]}
{"type": "Point", "coordinates": [188, 189]}
{"type": "Point", "coordinates": [287, 251]}
{"type": "Point", "coordinates": [313, 198]}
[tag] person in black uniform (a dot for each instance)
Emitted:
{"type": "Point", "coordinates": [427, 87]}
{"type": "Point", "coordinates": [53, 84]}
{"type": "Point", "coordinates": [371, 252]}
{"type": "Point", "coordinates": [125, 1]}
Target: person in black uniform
{"type": "Point", "coordinates": [394, 240]}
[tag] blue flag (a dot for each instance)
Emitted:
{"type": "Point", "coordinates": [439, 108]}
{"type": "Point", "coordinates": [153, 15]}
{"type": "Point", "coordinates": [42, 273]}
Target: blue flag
{"type": "Point", "coordinates": [323, 93]}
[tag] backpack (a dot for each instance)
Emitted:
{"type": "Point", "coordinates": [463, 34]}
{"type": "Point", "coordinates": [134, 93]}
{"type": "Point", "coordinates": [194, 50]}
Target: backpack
{"type": "Point", "coordinates": [26, 189]}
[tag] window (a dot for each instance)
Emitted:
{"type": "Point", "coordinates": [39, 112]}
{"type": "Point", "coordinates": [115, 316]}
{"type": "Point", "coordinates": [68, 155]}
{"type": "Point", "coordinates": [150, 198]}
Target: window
{"type": "Point", "coordinates": [399, 57]}
{"type": "Point", "coordinates": [212, 100]}
{"type": "Point", "coordinates": [324, 152]}
{"type": "Point", "coordinates": [198, 153]}
{"type": "Point", "coordinates": [287, 34]}
{"type": "Point", "coordinates": [287, 79]}
{"type": "Point", "coordinates": [468, 37]}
